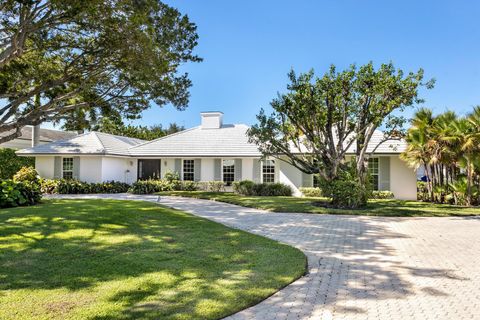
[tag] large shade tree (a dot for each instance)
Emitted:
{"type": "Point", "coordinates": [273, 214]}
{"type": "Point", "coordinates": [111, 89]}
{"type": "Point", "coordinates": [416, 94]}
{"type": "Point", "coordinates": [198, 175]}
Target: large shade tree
{"type": "Point", "coordinates": [71, 60]}
{"type": "Point", "coordinates": [140, 132]}
{"type": "Point", "coordinates": [314, 124]}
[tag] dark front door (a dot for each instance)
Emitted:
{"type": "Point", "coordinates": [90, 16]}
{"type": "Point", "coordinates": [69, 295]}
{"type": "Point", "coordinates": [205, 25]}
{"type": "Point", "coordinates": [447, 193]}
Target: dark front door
{"type": "Point", "coordinates": [148, 169]}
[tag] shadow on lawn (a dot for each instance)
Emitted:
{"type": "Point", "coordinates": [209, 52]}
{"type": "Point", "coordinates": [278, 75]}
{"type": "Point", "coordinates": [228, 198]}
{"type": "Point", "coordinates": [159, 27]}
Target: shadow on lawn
{"type": "Point", "coordinates": [80, 245]}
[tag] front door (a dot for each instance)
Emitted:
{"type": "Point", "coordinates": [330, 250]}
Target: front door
{"type": "Point", "coordinates": [148, 169]}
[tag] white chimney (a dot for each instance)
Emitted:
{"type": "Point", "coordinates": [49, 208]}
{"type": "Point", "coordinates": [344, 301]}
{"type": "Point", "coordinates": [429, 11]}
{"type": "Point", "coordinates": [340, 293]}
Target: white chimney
{"type": "Point", "coordinates": [35, 135]}
{"type": "Point", "coordinates": [212, 119]}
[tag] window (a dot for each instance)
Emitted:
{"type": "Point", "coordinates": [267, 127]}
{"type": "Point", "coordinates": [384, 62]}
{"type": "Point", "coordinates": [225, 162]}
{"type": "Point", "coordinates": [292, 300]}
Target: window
{"type": "Point", "coordinates": [268, 171]}
{"type": "Point", "coordinates": [373, 172]}
{"type": "Point", "coordinates": [188, 170]}
{"type": "Point", "coordinates": [228, 171]}
{"type": "Point", "coordinates": [67, 168]}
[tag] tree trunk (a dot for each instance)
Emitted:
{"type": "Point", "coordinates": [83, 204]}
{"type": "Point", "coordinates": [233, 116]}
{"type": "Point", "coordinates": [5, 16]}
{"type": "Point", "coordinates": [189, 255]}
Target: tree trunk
{"type": "Point", "coordinates": [469, 183]}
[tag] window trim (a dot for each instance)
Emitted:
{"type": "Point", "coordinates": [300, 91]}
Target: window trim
{"type": "Point", "coordinates": [274, 173]}
{"type": "Point", "coordinates": [72, 170]}
{"type": "Point", "coordinates": [377, 174]}
{"type": "Point", "coordinates": [192, 172]}
{"type": "Point", "coordinates": [222, 171]}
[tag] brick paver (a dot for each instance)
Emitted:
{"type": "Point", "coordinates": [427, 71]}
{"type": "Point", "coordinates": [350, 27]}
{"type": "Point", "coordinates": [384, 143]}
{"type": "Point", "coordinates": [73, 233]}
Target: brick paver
{"type": "Point", "coordinates": [362, 267]}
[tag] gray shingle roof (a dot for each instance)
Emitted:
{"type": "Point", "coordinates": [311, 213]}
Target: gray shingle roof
{"type": "Point", "coordinates": [46, 135]}
{"type": "Point", "coordinates": [87, 143]}
{"type": "Point", "coordinates": [229, 140]}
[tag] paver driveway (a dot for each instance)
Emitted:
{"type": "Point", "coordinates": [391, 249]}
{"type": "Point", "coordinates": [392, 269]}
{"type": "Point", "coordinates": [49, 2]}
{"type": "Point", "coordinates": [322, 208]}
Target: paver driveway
{"type": "Point", "coordinates": [362, 267]}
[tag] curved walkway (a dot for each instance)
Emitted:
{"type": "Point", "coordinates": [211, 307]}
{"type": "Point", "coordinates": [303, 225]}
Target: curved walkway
{"type": "Point", "coordinates": [360, 267]}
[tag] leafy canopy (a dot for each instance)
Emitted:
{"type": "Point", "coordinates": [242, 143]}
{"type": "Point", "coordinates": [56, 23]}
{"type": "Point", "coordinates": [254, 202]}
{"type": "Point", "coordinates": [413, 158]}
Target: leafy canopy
{"type": "Point", "coordinates": [139, 132]}
{"type": "Point", "coordinates": [74, 60]}
{"type": "Point", "coordinates": [314, 124]}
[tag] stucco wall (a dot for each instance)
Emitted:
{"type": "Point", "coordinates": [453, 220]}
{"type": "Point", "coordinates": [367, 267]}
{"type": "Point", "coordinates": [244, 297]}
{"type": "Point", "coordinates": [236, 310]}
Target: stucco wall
{"type": "Point", "coordinates": [207, 171]}
{"type": "Point", "coordinates": [403, 180]}
{"type": "Point", "coordinates": [289, 175]}
{"type": "Point", "coordinates": [247, 169]}
{"type": "Point", "coordinates": [116, 169]}
{"type": "Point", "coordinates": [91, 169]}
{"type": "Point", "coordinates": [167, 165]}
{"type": "Point", "coordinates": [45, 166]}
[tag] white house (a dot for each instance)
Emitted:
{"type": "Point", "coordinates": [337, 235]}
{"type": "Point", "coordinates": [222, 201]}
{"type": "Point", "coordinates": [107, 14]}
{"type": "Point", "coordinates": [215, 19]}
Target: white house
{"type": "Point", "coordinates": [211, 151]}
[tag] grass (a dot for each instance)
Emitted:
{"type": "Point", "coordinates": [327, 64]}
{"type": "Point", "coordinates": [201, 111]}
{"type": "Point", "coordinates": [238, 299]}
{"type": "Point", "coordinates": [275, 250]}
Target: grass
{"type": "Point", "coordinates": [394, 208]}
{"type": "Point", "coordinates": [107, 259]}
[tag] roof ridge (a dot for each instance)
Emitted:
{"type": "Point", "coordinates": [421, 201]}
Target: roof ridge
{"type": "Point", "coordinates": [164, 137]}
{"type": "Point", "coordinates": [116, 135]}
{"type": "Point", "coordinates": [99, 140]}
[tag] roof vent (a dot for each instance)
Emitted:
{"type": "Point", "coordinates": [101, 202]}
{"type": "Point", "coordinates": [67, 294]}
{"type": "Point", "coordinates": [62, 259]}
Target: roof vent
{"type": "Point", "coordinates": [212, 119]}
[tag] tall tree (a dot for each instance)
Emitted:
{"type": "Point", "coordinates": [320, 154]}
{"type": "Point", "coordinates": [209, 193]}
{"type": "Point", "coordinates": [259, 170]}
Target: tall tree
{"type": "Point", "coordinates": [70, 59]}
{"type": "Point", "coordinates": [140, 132]}
{"type": "Point", "coordinates": [314, 124]}
{"type": "Point", "coordinates": [448, 147]}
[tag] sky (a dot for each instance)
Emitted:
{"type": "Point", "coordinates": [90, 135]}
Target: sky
{"type": "Point", "coordinates": [248, 48]}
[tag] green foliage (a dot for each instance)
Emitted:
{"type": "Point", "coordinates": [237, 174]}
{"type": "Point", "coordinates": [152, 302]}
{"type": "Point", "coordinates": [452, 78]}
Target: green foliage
{"type": "Point", "coordinates": [159, 185]}
{"type": "Point", "coordinates": [26, 174]}
{"type": "Point", "coordinates": [140, 132]}
{"type": "Point", "coordinates": [327, 115]}
{"type": "Point", "coordinates": [10, 163]}
{"type": "Point", "coordinates": [345, 190]}
{"type": "Point", "coordinates": [216, 186]}
{"type": "Point", "coordinates": [446, 146]}
{"type": "Point", "coordinates": [381, 194]}
{"type": "Point", "coordinates": [212, 186]}
{"type": "Point", "coordinates": [311, 192]}
{"type": "Point", "coordinates": [171, 176]}
{"type": "Point", "coordinates": [76, 61]}
{"type": "Point", "coordinates": [422, 191]}
{"type": "Point", "coordinates": [71, 186]}
{"type": "Point", "coordinates": [250, 188]}
{"type": "Point", "coordinates": [18, 193]}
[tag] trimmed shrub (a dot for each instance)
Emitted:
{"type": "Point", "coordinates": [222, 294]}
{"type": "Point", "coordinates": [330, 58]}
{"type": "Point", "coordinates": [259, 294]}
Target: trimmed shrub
{"type": "Point", "coordinates": [26, 174]}
{"type": "Point", "coordinates": [16, 193]}
{"type": "Point", "coordinates": [10, 163]}
{"type": "Point", "coordinates": [188, 185]}
{"type": "Point", "coordinates": [346, 191]}
{"type": "Point", "coordinates": [378, 194]}
{"type": "Point", "coordinates": [70, 186]}
{"type": "Point", "coordinates": [171, 176]}
{"type": "Point", "coordinates": [152, 186]}
{"type": "Point", "coordinates": [311, 192]}
{"type": "Point", "coordinates": [250, 188]}
{"type": "Point", "coordinates": [245, 187]}
{"type": "Point", "coordinates": [212, 186]}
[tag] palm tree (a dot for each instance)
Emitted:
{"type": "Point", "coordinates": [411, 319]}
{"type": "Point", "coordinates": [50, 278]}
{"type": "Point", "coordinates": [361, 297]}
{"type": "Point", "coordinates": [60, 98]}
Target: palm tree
{"type": "Point", "coordinates": [419, 151]}
{"type": "Point", "coordinates": [467, 140]}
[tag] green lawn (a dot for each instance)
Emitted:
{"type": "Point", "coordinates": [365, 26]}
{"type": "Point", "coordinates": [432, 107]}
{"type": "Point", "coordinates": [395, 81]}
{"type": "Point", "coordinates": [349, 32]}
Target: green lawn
{"type": "Point", "coordinates": [107, 259]}
{"type": "Point", "coordinates": [396, 208]}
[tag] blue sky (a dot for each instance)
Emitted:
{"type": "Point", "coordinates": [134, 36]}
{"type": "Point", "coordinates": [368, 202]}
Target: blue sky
{"type": "Point", "coordinates": [248, 47]}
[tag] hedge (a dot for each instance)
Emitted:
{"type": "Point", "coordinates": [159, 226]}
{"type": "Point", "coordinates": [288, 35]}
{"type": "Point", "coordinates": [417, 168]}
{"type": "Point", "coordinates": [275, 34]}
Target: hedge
{"type": "Point", "coordinates": [250, 188]}
{"type": "Point", "coordinates": [19, 193]}
{"type": "Point", "coordinates": [311, 191]}
{"type": "Point", "coordinates": [159, 185]}
{"type": "Point", "coordinates": [70, 186]}
{"type": "Point", "coordinates": [377, 194]}
{"type": "Point", "coordinates": [10, 163]}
